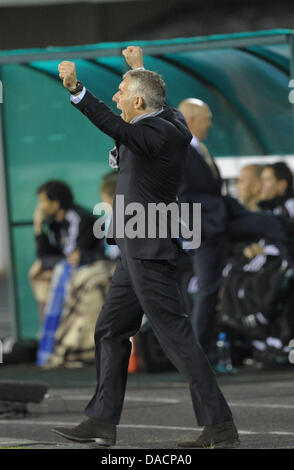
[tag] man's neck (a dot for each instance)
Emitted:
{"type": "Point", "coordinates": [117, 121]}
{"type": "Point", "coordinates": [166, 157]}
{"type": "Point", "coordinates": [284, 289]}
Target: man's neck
{"type": "Point", "coordinates": [145, 113]}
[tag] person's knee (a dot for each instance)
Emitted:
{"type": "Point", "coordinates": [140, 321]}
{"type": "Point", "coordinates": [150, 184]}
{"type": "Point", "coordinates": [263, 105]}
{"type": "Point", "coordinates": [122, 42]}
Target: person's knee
{"type": "Point", "coordinates": [35, 270]}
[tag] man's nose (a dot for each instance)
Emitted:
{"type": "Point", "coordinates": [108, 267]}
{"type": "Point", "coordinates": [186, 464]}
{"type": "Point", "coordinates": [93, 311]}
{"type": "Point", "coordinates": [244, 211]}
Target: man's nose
{"type": "Point", "coordinates": [115, 98]}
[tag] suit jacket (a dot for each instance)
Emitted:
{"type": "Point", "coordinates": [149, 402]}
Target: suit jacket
{"type": "Point", "coordinates": [200, 185]}
{"type": "Point", "coordinates": [152, 154]}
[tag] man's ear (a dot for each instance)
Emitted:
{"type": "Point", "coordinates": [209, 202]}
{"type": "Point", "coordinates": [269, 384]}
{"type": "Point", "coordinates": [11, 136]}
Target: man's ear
{"type": "Point", "coordinates": [139, 103]}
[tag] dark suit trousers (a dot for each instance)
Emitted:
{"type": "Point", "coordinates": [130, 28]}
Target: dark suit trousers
{"type": "Point", "coordinates": [208, 263]}
{"type": "Point", "coordinates": [149, 286]}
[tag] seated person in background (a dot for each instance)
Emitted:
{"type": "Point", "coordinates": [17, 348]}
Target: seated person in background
{"type": "Point", "coordinates": [276, 196]}
{"type": "Point", "coordinates": [258, 290]}
{"type": "Point", "coordinates": [63, 231]}
{"type": "Point", "coordinates": [277, 193]}
{"type": "Point", "coordinates": [65, 242]}
{"type": "Point", "coordinates": [74, 339]}
{"type": "Point", "coordinates": [249, 186]}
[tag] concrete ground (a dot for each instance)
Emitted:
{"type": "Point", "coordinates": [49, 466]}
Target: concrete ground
{"type": "Point", "coordinates": [157, 412]}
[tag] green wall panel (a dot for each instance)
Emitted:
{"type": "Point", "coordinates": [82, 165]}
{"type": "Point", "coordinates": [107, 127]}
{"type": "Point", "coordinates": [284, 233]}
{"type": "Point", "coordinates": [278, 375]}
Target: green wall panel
{"type": "Point", "coordinates": [45, 137]}
{"type": "Point", "coordinates": [230, 134]}
{"type": "Point", "coordinates": [245, 86]}
{"type": "Point", "coordinates": [27, 314]}
{"type": "Point", "coordinates": [256, 90]}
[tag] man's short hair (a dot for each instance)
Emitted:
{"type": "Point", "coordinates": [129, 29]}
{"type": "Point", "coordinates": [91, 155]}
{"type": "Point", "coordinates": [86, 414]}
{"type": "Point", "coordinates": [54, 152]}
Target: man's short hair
{"type": "Point", "coordinates": [149, 85]}
{"type": "Point", "coordinates": [283, 172]}
{"type": "Point", "coordinates": [58, 191]}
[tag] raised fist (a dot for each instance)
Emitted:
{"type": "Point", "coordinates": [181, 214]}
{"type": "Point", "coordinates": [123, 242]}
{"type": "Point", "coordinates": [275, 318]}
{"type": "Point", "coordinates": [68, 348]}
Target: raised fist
{"type": "Point", "coordinates": [133, 56]}
{"type": "Point", "coordinates": [67, 73]}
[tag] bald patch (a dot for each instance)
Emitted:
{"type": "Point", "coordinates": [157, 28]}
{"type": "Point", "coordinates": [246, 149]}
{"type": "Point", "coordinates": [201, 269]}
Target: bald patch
{"type": "Point", "coordinates": [192, 107]}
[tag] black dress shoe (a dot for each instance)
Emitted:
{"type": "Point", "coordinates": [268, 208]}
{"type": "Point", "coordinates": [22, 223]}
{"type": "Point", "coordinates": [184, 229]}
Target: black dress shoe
{"type": "Point", "coordinates": [222, 435]}
{"type": "Point", "coordinates": [90, 430]}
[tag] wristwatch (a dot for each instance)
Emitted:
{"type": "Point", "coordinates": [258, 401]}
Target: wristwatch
{"type": "Point", "coordinates": [77, 89]}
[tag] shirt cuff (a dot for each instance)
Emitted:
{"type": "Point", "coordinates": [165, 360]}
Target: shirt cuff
{"type": "Point", "coordinates": [76, 99]}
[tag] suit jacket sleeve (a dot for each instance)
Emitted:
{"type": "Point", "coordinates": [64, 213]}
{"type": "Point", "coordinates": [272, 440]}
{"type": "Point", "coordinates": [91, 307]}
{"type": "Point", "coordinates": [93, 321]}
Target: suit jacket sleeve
{"type": "Point", "coordinates": [144, 138]}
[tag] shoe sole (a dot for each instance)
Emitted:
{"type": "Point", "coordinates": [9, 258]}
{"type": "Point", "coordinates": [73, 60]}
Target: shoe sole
{"type": "Point", "coordinates": [227, 445]}
{"type": "Point", "coordinates": [98, 440]}
{"type": "Point", "coordinates": [218, 445]}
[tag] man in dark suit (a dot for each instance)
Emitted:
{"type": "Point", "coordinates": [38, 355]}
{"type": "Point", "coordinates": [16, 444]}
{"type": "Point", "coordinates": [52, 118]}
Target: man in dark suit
{"type": "Point", "coordinates": [223, 220]}
{"type": "Point", "coordinates": [152, 143]}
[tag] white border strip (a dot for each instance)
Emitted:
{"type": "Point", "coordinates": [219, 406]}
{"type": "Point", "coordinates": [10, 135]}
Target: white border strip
{"type": "Point", "coordinates": [127, 399]}
{"type": "Point", "coordinates": [230, 166]}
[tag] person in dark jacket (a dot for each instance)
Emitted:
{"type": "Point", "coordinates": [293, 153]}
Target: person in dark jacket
{"type": "Point", "coordinates": [276, 197]}
{"type": "Point", "coordinates": [277, 192]}
{"type": "Point", "coordinates": [73, 344]}
{"type": "Point", "coordinates": [63, 231]}
{"type": "Point", "coordinates": [224, 220]}
{"type": "Point", "coordinates": [151, 142]}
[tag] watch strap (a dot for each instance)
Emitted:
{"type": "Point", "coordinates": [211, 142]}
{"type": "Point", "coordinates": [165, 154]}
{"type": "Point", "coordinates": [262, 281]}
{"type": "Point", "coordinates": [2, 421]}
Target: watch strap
{"type": "Point", "coordinates": [79, 87]}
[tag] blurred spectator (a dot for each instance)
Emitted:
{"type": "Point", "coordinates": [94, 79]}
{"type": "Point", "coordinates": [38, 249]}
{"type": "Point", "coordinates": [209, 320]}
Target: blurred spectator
{"type": "Point", "coordinates": [65, 242]}
{"type": "Point", "coordinates": [223, 219]}
{"type": "Point", "coordinates": [74, 339]}
{"type": "Point", "coordinates": [277, 192]}
{"type": "Point", "coordinates": [277, 196]}
{"type": "Point", "coordinates": [63, 231]}
{"type": "Point", "coordinates": [249, 186]}
{"type": "Point", "coordinates": [258, 298]}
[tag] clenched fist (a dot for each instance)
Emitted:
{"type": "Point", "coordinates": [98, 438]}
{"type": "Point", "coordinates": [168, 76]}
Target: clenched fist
{"type": "Point", "coordinates": [67, 73]}
{"type": "Point", "coordinates": [133, 56]}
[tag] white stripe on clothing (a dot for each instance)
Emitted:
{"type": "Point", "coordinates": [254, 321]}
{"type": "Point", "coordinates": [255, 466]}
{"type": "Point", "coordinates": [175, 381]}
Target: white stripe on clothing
{"type": "Point", "coordinates": [70, 241]}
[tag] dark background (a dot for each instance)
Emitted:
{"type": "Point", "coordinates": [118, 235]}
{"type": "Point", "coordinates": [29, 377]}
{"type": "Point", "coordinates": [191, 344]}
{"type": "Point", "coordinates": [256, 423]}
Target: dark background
{"type": "Point", "coordinates": [84, 23]}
